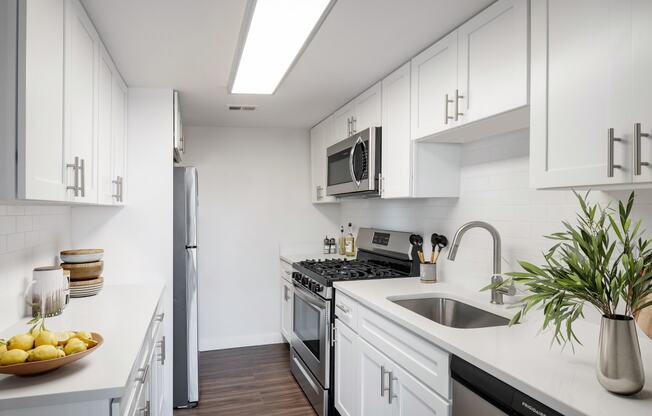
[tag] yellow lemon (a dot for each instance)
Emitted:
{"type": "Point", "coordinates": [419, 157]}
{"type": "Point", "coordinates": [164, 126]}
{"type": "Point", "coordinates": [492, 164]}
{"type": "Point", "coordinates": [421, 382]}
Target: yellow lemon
{"type": "Point", "coordinates": [3, 348]}
{"type": "Point", "coordinates": [45, 338]}
{"type": "Point", "coordinates": [43, 352]}
{"type": "Point", "coordinates": [21, 342]}
{"type": "Point", "coordinates": [16, 356]}
{"type": "Point", "coordinates": [60, 353]}
{"type": "Point", "coordinates": [62, 338]}
{"type": "Point", "coordinates": [75, 345]}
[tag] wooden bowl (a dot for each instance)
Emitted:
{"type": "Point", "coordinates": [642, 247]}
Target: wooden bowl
{"type": "Point", "coordinates": [39, 367]}
{"type": "Point", "coordinates": [88, 255]}
{"type": "Point", "coordinates": [84, 271]}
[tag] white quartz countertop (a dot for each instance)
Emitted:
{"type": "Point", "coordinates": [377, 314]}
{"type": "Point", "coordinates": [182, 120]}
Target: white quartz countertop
{"type": "Point", "coordinates": [121, 314]}
{"type": "Point", "coordinates": [520, 355]}
{"type": "Point", "coordinates": [293, 258]}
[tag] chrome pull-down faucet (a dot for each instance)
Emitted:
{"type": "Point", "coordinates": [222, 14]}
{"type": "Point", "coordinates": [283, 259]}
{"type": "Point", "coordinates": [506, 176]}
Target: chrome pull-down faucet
{"type": "Point", "coordinates": [496, 294]}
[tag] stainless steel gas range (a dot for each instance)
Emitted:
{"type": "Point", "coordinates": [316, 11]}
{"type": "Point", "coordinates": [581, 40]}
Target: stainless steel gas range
{"type": "Point", "coordinates": [381, 255]}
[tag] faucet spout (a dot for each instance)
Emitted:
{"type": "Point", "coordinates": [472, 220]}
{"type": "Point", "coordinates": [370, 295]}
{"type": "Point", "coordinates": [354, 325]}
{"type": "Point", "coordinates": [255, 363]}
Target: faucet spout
{"type": "Point", "coordinates": [496, 294]}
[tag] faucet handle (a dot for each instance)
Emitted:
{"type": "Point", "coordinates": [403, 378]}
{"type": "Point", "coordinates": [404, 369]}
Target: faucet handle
{"type": "Point", "coordinates": [498, 292]}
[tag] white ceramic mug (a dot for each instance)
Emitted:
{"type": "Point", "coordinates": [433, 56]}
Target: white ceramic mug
{"type": "Point", "coordinates": [49, 291]}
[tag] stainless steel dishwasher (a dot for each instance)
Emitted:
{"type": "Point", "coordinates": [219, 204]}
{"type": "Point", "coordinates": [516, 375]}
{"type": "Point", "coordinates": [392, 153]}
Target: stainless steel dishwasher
{"type": "Point", "coordinates": [477, 393]}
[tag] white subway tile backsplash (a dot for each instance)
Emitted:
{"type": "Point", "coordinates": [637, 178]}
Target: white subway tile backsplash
{"type": "Point", "coordinates": [494, 188]}
{"type": "Point", "coordinates": [30, 236]}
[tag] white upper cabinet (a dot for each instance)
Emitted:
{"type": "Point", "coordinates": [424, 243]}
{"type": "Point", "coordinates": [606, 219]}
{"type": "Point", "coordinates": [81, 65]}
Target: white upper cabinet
{"type": "Point", "coordinates": [588, 92]}
{"type": "Point", "coordinates": [360, 113]}
{"type": "Point", "coordinates": [473, 83]}
{"type": "Point", "coordinates": [320, 138]}
{"type": "Point", "coordinates": [642, 79]}
{"type": "Point", "coordinates": [367, 111]}
{"type": "Point", "coordinates": [119, 136]}
{"type": "Point", "coordinates": [71, 109]}
{"type": "Point", "coordinates": [434, 80]}
{"type": "Point", "coordinates": [40, 164]}
{"type": "Point", "coordinates": [411, 169]}
{"type": "Point", "coordinates": [81, 51]}
{"type": "Point", "coordinates": [493, 56]}
{"type": "Point", "coordinates": [396, 179]}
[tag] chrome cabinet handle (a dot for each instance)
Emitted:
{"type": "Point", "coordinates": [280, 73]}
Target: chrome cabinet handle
{"type": "Point", "coordinates": [348, 126]}
{"type": "Point", "coordinates": [121, 187]}
{"type": "Point", "coordinates": [446, 102]}
{"type": "Point", "coordinates": [116, 195]}
{"type": "Point", "coordinates": [142, 374]}
{"type": "Point", "coordinates": [160, 316]}
{"type": "Point", "coordinates": [457, 104]}
{"type": "Point", "coordinates": [383, 388]}
{"type": "Point", "coordinates": [638, 163]}
{"type": "Point", "coordinates": [354, 123]}
{"type": "Point", "coordinates": [75, 168]}
{"type": "Point", "coordinates": [163, 354]}
{"type": "Point", "coordinates": [145, 411]}
{"type": "Point", "coordinates": [333, 335]}
{"type": "Point", "coordinates": [82, 167]}
{"type": "Point", "coordinates": [381, 181]}
{"type": "Point", "coordinates": [344, 308]}
{"type": "Point", "coordinates": [286, 293]}
{"type": "Point", "coordinates": [610, 152]}
{"type": "Point", "coordinates": [391, 394]}
{"type": "Point", "coordinates": [319, 192]}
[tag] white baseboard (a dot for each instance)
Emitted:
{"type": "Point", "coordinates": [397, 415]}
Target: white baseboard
{"type": "Point", "coordinates": [240, 341]}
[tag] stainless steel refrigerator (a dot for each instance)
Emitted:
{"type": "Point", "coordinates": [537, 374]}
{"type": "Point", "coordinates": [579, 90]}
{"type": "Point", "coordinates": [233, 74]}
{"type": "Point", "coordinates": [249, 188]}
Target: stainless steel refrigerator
{"type": "Point", "coordinates": [186, 350]}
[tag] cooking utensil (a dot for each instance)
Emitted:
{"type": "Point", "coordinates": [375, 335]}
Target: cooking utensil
{"type": "Point", "coordinates": [40, 367]}
{"type": "Point", "coordinates": [419, 243]}
{"type": "Point", "coordinates": [434, 240]}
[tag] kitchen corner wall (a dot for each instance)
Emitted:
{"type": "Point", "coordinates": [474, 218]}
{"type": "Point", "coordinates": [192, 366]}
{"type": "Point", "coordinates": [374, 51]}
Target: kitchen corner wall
{"type": "Point", "coordinates": [494, 188]}
{"type": "Point", "coordinates": [30, 236]}
{"type": "Point", "coordinates": [254, 196]}
{"type": "Point", "coordinates": [137, 238]}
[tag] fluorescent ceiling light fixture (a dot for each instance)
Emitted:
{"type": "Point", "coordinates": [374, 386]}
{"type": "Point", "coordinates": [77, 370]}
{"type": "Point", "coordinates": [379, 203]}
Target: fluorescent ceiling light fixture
{"type": "Point", "coordinates": [278, 32]}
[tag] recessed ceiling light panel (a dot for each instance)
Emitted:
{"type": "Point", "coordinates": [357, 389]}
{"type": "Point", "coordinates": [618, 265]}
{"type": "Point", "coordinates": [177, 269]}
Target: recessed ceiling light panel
{"type": "Point", "coordinates": [277, 33]}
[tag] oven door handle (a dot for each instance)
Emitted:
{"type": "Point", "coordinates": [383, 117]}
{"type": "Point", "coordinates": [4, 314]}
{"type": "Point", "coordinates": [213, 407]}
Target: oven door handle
{"type": "Point", "coordinates": [309, 297]}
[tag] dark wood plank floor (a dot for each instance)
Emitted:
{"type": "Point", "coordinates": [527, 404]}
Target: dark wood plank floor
{"type": "Point", "coordinates": [248, 381]}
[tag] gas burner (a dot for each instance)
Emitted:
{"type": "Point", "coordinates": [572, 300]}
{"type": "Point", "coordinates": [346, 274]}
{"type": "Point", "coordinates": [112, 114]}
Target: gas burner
{"type": "Point", "coordinates": [344, 269]}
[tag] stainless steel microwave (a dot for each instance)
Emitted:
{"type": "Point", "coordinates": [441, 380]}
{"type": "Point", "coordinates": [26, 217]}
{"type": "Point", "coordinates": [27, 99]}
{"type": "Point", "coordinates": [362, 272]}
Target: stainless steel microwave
{"type": "Point", "coordinates": [354, 164]}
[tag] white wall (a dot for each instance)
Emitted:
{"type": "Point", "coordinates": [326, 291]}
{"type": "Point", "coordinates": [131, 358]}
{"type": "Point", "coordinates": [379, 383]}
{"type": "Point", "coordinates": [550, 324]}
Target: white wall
{"type": "Point", "coordinates": [30, 236]}
{"type": "Point", "coordinates": [137, 239]}
{"type": "Point", "coordinates": [494, 188]}
{"type": "Point", "coordinates": [254, 195]}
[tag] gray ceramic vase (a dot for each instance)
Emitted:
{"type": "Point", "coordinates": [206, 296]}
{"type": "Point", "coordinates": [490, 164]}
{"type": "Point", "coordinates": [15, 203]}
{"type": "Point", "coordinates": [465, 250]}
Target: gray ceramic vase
{"type": "Point", "coordinates": [619, 367]}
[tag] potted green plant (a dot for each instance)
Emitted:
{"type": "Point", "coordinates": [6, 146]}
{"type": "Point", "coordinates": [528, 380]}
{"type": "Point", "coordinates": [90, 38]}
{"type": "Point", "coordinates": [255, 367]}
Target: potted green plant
{"type": "Point", "coordinates": [603, 260]}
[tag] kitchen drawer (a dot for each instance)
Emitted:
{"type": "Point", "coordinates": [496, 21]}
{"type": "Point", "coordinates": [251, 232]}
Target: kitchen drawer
{"type": "Point", "coordinates": [286, 271]}
{"type": "Point", "coordinates": [426, 362]}
{"type": "Point", "coordinates": [346, 309]}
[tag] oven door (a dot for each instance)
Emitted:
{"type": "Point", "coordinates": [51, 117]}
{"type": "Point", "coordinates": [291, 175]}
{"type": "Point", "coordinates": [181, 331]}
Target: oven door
{"type": "Point", "coordinates": [354, 163]}
{"type": "Point", "coordinates": [311, 332]}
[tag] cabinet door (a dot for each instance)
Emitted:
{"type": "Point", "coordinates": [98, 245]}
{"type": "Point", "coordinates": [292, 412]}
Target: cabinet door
{"type": "Point", "coordinates": [581, 83]}
{"type": "Point", "coordinates": [642, 104]}
{"type": "Point", "coordinates": [397, 146]}
{"type": "Point", "coordinates": [367, 111]}
{"type": "Point", "coordinates": [374, 381]}
{"type": "Point", "coordinates": [412, 398]}
{"type": "Point", "coordinates": [493, 61]}
{"type": "Point", "coordinates": [41, 168]}
{"type": "Point", "coordinates": [119, 142]}
{"type": "Point", "coordinates": [320, 135]}
{"type": "Point", "coordinates": [287, 302]}
{"type": "Point", "coordinates": [347, 393]}
{"type": "Point", "coordinates": [81, 49]}
{"type": "Point", "coordinates": [104, 129]}
{"type": "Point", "coordinates": [342, 123]}
{"type": "Point", "coordinates": [434, 75]}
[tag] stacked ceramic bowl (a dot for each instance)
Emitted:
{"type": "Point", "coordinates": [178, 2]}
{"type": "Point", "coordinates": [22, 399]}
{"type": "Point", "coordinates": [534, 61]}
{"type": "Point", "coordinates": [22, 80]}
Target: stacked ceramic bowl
{"type": "Point", "coordinates": [85, 267]}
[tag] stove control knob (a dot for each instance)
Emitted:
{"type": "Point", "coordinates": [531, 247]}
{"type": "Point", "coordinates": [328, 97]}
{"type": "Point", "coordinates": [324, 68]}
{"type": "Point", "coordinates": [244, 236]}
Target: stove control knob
{"type": "Point", "coordinates": [304, 280]}
{"type": "Point", "coordinates": [317, 287]}
{"type": "Point", "coordinates": [311, 285]}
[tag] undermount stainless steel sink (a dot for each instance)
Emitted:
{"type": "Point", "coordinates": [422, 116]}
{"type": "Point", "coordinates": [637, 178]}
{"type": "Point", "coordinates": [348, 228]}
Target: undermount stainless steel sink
{"type": "Point", "coordinates": [453, 313]}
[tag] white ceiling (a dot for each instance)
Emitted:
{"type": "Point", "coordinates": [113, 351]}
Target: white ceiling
{"type": "Point", "coordinates": [189, 46]}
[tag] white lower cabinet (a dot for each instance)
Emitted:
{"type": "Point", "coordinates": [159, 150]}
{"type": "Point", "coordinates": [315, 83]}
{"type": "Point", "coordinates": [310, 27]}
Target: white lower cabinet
{"type": "Point", "coordinates": [369, 381]}
{"type": "Point", "coordinates": [287, 308]}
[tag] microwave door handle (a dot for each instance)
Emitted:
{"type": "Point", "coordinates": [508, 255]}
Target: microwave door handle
{"type": "Point", "coordinates": [351, 169]}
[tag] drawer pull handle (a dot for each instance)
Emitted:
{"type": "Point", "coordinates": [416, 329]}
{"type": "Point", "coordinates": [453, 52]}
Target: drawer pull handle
{"type": "Point", "coordinates": [383, 389]}
{"type": "Point", "coordinates": [142, 374]}
{"type": "Point", "coordinates": [610, 152]}
{"type": "Point", "coordinates": [344, 308]}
